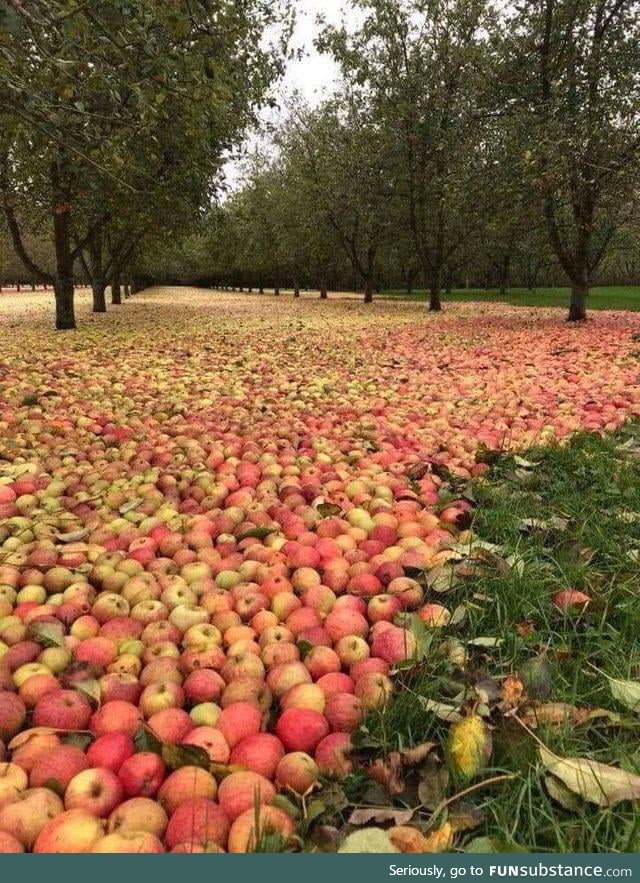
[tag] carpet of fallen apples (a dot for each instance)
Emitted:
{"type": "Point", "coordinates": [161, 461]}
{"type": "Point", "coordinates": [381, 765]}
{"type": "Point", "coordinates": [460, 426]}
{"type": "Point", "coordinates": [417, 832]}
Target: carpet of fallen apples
{"type": "Point", "coordinates": [215, 512]}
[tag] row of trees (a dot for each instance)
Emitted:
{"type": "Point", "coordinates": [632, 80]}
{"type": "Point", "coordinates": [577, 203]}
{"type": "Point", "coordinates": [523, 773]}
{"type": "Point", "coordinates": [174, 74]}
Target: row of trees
{"type": "Point", "coordinates": [115, 120]}
{"type": "Point", "coordinates": [464, 143]}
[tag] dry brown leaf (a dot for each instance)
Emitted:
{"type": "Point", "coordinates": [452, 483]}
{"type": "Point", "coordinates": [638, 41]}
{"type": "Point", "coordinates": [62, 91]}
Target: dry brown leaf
{"type": "Point", "coordinates": [380, 814]}
{"type": "Point", "coordinates": [596, 782]}
{"type": "Point", "coordinates": [407, 839]}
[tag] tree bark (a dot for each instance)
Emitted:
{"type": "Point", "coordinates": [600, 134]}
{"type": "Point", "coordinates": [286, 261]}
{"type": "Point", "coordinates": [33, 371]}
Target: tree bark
{"type": "Point", "coordinates": [98, 292]}
{"type": "Point", "coordinates": [65, 310]}
{"type": "Point", "coordinates": [296, 289]}
{"type": "Point", "coordinates": [368, 290]}
{"type": "Point", "coordinates": [323, 289]}
{"type": "Point", "coordinates": [578, 304]}
{"type": "Point", "coordinates": [64, 288]}
{"type": "Point", "coordinates": [116, 291]}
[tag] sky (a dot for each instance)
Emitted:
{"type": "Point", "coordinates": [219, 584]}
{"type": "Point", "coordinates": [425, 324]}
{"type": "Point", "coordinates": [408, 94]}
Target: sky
{"type": "Point", "coordinates": [312, 75]}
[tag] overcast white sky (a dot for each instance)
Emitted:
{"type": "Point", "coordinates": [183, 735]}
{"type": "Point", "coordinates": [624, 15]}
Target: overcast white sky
{"type": "Point", "coordinates": [312, 75]}
{"type": "Point", "coordinates": [315, 72]}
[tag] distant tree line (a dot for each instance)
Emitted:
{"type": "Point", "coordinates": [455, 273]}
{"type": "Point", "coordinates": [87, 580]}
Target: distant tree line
{"type": "Point", "coordinates": [464, 147]}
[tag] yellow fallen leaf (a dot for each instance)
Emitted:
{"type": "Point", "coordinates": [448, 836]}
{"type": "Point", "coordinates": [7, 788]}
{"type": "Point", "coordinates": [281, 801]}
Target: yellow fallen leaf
{"type": "Point", "coordinates": [469, 745]}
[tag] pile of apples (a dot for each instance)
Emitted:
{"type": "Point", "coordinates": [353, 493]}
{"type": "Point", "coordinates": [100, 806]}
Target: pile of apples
{"type": "Point", "coordinates": [211, 549]}
{"type": "Point", "coordinates": [260, 631]}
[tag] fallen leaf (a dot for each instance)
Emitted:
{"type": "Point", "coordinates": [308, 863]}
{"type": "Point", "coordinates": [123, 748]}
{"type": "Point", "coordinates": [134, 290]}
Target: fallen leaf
{"type": "Point", "coordinates": [596, 782]}
{"type": "Point", "coordinates": [368, 840]}
{"type": "Point", "coordinates": [442, 710]}
{"type": "Point", "coordinates": [626, 692]}
{"type": "Point", "coordinates": [407, 839]}
{"type": "Point", "coordinates": [73, 536]}
{"type": "Point", "coordinates": [562, 795]}
{"type": "Point", "coordinates": [469, 745]}
{"type": "Point", "coordinates": [549, 713]}
{"type": "Point", "coordinates": [380, 814]}
{"type": "Point", "coordinates": [440, 840]}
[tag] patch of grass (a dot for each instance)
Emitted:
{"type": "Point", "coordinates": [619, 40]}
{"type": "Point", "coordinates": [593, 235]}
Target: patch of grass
{"type": "Point", "coordinates": [585, 499]}
{"type": "Point", "coordinates": [613, 297]}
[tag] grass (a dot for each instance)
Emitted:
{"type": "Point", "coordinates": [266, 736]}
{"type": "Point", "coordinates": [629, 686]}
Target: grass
{"type": "Point", "coordinates": [614, 297]}
{"type": "Point", "coordinates": [585, 497]}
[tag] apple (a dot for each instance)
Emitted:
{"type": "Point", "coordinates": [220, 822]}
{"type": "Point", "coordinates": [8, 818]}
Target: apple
{"type": "Point", "coordinates": [300, 729]}
{"type": "Point", "coordinates": [110, 751]}
{"type": "Point", "coordinates": [26, 816]}
{"type": "Point", "coordinates": [344, 711]}
{"type": "Point", "coordinates": [304, 696]}
{"type": "Point", "coordinates": [297, 772]}
{"type": "Point", "coordinates": [241, 790]}
{"type": "Point", "coordinates": [74, 831]}
{"type": "Point", "coordinates": [141, 774]}
{"type": "Point", "coordinates": [186, 783]}
{"type": "Point", "coordinates": [259, 753]}
{"type": "Point", "coordinates": [62, 709]}
{"type": "Point", "coordinates": [210, 740]}
{"type": "Point", "coordinates": [373, 690]}
{"type": "Point", "coordinates": [331, 755]}
{"type": "Point", "coordinates": [138, 842]}
{"type": "Point", "coordinates": [160, 696]}
{"type": "Point", "coordinates": [9, 844]}
{"type": "Point", "coordinates": [351, 649]}
{"type": "Point", "coordinates": [13, 780]}
{"type": "Point", "coordinates": [252, 823]}
{"type": "Point", "coordinates": [239, 720]}
{"type": "Point", "coordinates": [394, 644]}
{"type": "Point", "coordinates": [116, 717]}
{"type": "Point", "coordinates": [198, 819]}
{"type": "Point", "coordinates": [13, 713]}
{"type": "Point", "coordinates": [96, 790]}
{"type": "Point", "coordinates": [138, 814]}
{"type": "Point", "coordinates": [59, 767]}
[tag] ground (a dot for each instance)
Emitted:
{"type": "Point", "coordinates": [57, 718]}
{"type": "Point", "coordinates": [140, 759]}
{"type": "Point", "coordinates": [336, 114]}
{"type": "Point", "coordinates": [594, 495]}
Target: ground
{"type": "Point", "coordinates": [272, 446]}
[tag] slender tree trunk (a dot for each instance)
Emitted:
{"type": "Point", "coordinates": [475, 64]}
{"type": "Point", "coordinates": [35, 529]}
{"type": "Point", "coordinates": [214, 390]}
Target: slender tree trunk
{"type": "Point", "coordinates": [368, 290]}
{"type": "Point", "coordinates": [296, 289]}
{"type": "Point", "coordinates": [578, 304]}
{"type": "Point", "coordinates": [323, 288]}
{"type": "Point", "coordinates": [261, 289]}
{"type": "Point", "coordinates": [127, 290]}
{"type": "Point", "coordinates": [116, 290]}
{"type": "Point", "coordinates": [98, 292]}
{"type": "Point", "coordinates": [17, 286]}
{"type": "Point", "coordinates": [65, 312]}
{"type": "Point", "coordinates": [64, 288]}
{"type": "Point", "coordinates": [504, 273]}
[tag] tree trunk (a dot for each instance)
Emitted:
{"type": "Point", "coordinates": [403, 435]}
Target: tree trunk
{"type": "Point", "coordinates": [98, 292]}
{"type": "Point", "coordinates": [116, 291]}
{"type": "Point", "coordinates": [578, 304]}
{"type": "Point", "coordinates": [323, 289]}
{"type": "Point", "coordinates": [261, 289]}
{"type": "Point", "coordinates": [504, 273]}
{"type": "Point", "coordinates": [368, 290]}
{"type": "Point", "coordinates": [435, 303]}
{"type": "Point", "coordinates": [127, 289]}
{"type": "Point", "coordinates": [33, 286]}
{"type": "Point", "coordinates": [296, 289]}
{"type": "Point", "coordinates": [65, 312]}
{"type": "Point", "coordinates": [17, 286]}
{"type": "Point", "coordinates": [435, 290]}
